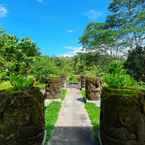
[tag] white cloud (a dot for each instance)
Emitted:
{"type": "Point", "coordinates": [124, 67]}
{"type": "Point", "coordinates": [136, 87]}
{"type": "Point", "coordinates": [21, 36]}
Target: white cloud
{"type": "Point", "coordinates": [70, 31]}
{"type": "Point", "coordinates": [40, 1]}
{"type": "Point", "coordinates": [72, 50]}
{"type": "Point", "coordinates": [93, 14]}
{"type": "Point", "coordinates": [3, 11]}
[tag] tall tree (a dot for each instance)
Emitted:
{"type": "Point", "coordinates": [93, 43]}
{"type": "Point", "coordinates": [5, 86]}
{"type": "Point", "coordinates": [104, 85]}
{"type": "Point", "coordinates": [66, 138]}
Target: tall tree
{"type": "Point", "coordinates": [99, 38]}
{"type": "Point", "coordinates": [127, 17]}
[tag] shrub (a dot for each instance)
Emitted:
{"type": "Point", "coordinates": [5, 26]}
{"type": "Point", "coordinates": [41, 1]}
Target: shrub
{"type": "Point", "coordinates": [20, 82]}
{"type": "Point", "coordinates": [118, 77]}
{"type": "Point", "coordinates": [73, 79]}
{"type": "Point", "coordinates": [94, 71]}
{"type": "Point", "coordinates": [135, 63]}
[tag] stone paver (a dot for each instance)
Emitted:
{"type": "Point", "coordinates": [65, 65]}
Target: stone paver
{"type": "Point", "coordinates": [73, 126]}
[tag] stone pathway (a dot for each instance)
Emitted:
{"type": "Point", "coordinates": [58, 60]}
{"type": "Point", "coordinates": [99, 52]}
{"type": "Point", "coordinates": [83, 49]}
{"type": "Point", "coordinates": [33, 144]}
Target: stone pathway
{"type": "Point", "coordinates": [73, 126]}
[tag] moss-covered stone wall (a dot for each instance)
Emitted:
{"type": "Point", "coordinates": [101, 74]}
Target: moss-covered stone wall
{"type": "Point", "coordinates": [21, 117]}
{"type": "Point", "coordinates": [53, 87]}
{"type": "Point", "coordinates": [82, 81]}
{"type": "Point", "coordinates": [93, 88]}
{"type": "Point", "coordinates": [123, 117]}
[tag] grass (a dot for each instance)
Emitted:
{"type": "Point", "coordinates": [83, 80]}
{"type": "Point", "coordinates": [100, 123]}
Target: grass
{"type": "Point", "coordinates": [5, 85]}
{"type": "Point", "coordinates": [63, 93]}
{"type": "Point", "coordinates": [94, 115]}
{"type": "Point", "coordinates": [51, 115]}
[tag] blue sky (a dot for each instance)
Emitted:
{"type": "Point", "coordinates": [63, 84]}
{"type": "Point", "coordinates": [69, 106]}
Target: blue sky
{"type": "Point", "coordinates": [55, 25]}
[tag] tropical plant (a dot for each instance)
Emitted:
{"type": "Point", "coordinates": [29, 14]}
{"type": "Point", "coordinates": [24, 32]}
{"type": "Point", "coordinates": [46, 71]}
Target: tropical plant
{"type": "Point", "coordinates": [20, 82]}
{"type": "Point", "coordinates": [135, 63]}
{"type": "Point", "coordinates": [117, 76]}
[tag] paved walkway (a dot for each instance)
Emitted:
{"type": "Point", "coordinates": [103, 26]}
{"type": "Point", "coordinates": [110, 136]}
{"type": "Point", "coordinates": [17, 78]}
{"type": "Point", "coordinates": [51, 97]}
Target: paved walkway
{"type": "Point", "coordinates": [73, 126]}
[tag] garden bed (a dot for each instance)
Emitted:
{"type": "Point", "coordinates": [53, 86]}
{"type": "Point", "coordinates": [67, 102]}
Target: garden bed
{"type": "Point", "coordinates": [93, 88]}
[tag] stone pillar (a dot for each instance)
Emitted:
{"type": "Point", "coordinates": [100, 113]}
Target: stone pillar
{"type": "Point", "coordinates": [63, 81]}
{"type": "Point", "coordinates": [122, 117]}
{"type": "Point", "coordinates": [21, 117]}
{"type": "Point", "coordinates": [53, 87]}
{"type": "Point", "coordinates": [93, 88]}
{"type": "Point", "coordinates": [82, 81]}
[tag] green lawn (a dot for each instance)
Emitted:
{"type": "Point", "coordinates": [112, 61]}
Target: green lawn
{"type": "Point", "coordinates": [94, 114]}
{"type": "Point", "coordinates": [51, 115]}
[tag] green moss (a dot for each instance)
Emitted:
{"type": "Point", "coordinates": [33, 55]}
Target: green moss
{"type": "Point", "coordinates": [122, 92]}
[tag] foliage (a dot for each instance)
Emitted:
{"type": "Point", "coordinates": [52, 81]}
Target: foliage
{"type": "Point", "coordinates": [83, 92]}
{"type": "Point", "coordinates": [20, 82]}
{"type": "Point", "coordinates": [94, 71]}
{"type": "Point", "coordinates": [63, 93]}
{"type": "Point", "coordinates": [117, 77]}
{"type": "Point", "coordinates": [127, 17]}
{"type": "Point", "coordinates": [16, 54]}
{"type": "Point", "coordinates": [124, 28]}
{"type": "Point", "coordinates": [51, 115]}
{"type": "Point", "coordinates": [135, 63]}
{"type": "Point", "coordinates": [12, 48]}
{"type": "Point", "coordinates": [98, 37]}
{"type": "Point", "coordinates": [5, 85]}
{"type": "Point", "coordinates": [43, 67]}
{"type": "Point", "coordinates": [83, 63]}
{"type": "Point", "coordinates": [73, 79]}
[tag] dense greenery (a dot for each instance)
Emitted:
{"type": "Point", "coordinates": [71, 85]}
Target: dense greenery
{"type": "Point", "coordinates": [23, 66]}
{"type": "Point", "coordinates": [117, 76]}
{"type": "Point", "coordinates": [135, 63]}
{"type": "Point", "coordinates": [106, 45]}
{"type": "Point", "coordinates": [113, 50]}
{"type": "Point", "coordinates": [124, 28]}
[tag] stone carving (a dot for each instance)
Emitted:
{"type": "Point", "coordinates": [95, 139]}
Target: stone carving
{"type": "Point", "coordinates": [82, 81]}
{"type": "Point", "coordinates": [93, 88]}
{"type": "Point", "coordinates": [122, 118]}
{"type": "Point", "coordinates": [21, 117]}
{"type": "Point", "coordinates": [63, 81]}
{"type": "Point", "coordinates": [53, 88]}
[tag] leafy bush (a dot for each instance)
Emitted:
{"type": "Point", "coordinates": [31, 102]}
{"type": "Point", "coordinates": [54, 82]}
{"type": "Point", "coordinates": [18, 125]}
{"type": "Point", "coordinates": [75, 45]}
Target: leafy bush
{"type": "Point", "coordinates": [43, 68]}
{"type": "Point", "coordinates": [118, 77]}
{"type": "Point", "coordinates": [5, 85]}
{"type": "Point", "coordinates": [135, 63]}
{"type": "Point", "coordinates": [63, 93]}
{"type": "Point", "coordinates": [94, 71]}
{"type": "Point", "coordinates": [20, 82]}
{"type": "Point", "coordinates": [73, 79]}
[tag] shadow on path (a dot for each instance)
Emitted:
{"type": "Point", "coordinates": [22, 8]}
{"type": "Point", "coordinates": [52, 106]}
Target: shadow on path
{"type": "Point", "coordinates": [72, 136]}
